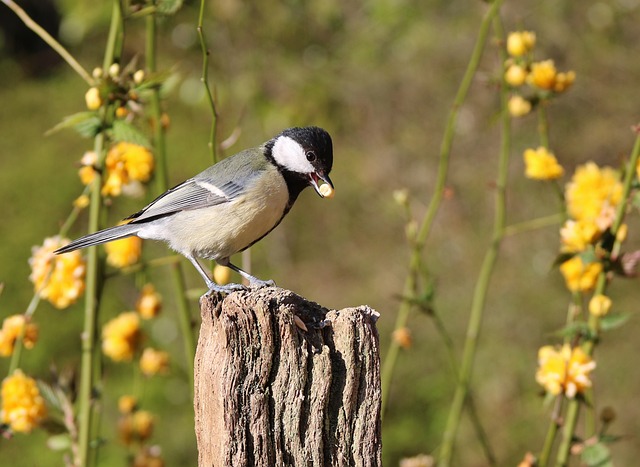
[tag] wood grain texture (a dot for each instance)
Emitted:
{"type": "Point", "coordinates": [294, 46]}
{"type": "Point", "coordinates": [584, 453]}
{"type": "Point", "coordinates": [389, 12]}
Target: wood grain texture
{"type": "Point", "coordinates": [269, 393]}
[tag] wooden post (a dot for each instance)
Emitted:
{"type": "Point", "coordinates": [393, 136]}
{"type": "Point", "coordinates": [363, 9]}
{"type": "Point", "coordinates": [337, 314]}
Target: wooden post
{"type": "Point", "coordinates": [270, 393]}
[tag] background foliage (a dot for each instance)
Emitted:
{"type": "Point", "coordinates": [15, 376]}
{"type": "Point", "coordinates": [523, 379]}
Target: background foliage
{"type": "Point", "coordinates": [380, 76]}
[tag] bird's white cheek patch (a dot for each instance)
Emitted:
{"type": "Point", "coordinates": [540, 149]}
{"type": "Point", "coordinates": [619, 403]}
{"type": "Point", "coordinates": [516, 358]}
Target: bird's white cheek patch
{"type": "Point", "coordinates": [289, 154]}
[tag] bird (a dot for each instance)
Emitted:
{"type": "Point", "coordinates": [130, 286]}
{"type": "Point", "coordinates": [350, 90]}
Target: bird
{"type": "Point", "coordinates": [232, 204]}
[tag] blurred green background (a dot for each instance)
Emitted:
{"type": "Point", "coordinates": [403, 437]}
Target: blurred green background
{"type": "Point", "coordinates": [380, 76]}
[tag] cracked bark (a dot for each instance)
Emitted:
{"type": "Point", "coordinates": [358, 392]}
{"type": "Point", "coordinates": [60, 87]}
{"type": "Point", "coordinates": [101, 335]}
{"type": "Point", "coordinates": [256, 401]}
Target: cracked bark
{"type": "Point", "coordinates": [268, 393]}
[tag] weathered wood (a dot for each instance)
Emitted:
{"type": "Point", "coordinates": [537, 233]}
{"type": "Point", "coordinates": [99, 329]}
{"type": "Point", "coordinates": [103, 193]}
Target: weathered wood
{"type": "Point", "coordinates": [268, 393]}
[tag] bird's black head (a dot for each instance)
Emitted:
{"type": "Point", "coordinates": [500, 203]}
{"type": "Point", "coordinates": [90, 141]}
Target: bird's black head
{"type": "Point", "coordinates": [305, 156]}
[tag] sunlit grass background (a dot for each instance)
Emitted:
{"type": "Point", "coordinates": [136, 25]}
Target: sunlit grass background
{"type": "Point", "coordinates": [380, 77]}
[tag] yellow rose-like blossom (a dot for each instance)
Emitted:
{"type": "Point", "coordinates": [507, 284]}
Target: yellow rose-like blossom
{"type": "Point", "coordinates": [540, 164]}
{"type": "Point", "coordinates": [518, 106]}
{"type": "Point", "coordinates": [23, 407]}
{"type": "Point", "coordinates": [543, 75]}
{"type": "Point", "coordinates": [93, 99]}
{"type": "Point", "coordinates": [515, 75]}
{"type": "Point", "coordinates": [153, 362]}
{"type": "Point", "coordinates": [580, 277]}
{"type": "Point", "coordinates": [592, 191]}
{"type": "Point", "coordinates": [57, 278]}
{"type": "Point", "coordinates": [599, 305]}
{"type": "Point", "coordinates": [564, 370]}
{"type": "Point", "coordinates": [127, 404]}
{"type": "Point", "coordinates": [520, 42]}
{"type": "Point", "coordinates": [126, 163]}
{"type": "Point", "coordinates": [149, 302]}
{"type": "Point", "coordinates": [123, 252]}
{"type": "Point", "coordinates": [121, 336]}
{"type": "Point", "coordinates": [576, 236]}
{"type": "Point", "coordinates": [14, 327]}
{"type": "Point", "coordinates": [564, 81]}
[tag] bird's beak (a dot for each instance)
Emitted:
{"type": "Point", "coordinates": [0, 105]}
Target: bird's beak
{"type": "Point", "coordinates": [324, 190]}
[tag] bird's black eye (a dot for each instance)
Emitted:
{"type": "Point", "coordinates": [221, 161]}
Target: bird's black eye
{"type": "Point", "coordinates": [311, 156]}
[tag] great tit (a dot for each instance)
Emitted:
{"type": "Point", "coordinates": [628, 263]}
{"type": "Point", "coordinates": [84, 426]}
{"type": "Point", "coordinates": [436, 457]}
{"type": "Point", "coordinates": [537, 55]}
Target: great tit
{"type": "Point", "coordinates": [232, 204]}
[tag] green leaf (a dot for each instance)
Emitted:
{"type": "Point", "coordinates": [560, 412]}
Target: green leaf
{"type": "Point", "coordinates": [60, 442]}
{"type": "Point", "coordinates": [86, 123]}
{"type": "Point", "coordinates": [50, 395]}
{"type": "Point", "coordinates": [579, 328]}
{"type": "Point", "coordinates": [613, 321]}
{"type": "Point", "coordinates": [168, 7]}
{"type": "Point", "coordinates": [596, 455]}
{"type": "Point", "coordinates": [125, 131]}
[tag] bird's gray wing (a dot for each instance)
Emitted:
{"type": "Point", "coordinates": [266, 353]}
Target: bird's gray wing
{"type": "Point", "coordinates": [192, 194]}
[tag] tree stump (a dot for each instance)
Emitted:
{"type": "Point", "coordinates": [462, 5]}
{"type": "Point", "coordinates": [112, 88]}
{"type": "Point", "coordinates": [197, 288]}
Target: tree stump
{"type": "Point", "coordinates": [270, 393]}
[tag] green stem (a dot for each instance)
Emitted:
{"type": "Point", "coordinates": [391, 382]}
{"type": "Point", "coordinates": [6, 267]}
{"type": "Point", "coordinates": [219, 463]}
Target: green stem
{"type": "Point", "coordinates": [549, 440]}
{"type": "Point", "coordinates": [162, 185]}
{"type": "Point", "coordinates": [51, 42]}
{"type": "Point", "coordinates": [205, 80]}
{"type": "Point", "coordinates": [434, 204]}
{"type": "Point", "coordinates": [533, 224]}
{"type": "Point", "coordinates": [480, 293]}
{"type": "Point", "coordinates": [573, 410]}
{"type": "Point", "coordinates": [543, 124]}
{"type": "Point", "coordinates": [93, 275]}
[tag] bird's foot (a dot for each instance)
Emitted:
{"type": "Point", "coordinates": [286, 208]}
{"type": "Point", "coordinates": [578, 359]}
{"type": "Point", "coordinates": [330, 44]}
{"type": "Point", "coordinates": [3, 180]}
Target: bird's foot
{"type": "Point", "coordinates": [225, 289]}
{"type": "Point", "coordinates": [259, 284]}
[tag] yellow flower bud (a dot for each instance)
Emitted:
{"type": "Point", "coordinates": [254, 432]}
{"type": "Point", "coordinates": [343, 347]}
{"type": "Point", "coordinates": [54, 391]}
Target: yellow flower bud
{"type": "Point", "coordinates": [564, 81]}
{"type": "Point", "coordinates": [121, 112]}
{"type": "Point", "coordinates": [520, 43]}
{"type": "Point", "coordinates": [515, 75]}
{"type": "Point", "coordinates": [221, 274]}
{"type": "Point", "coordinates": [127, 404]}
{"type": "Point", "coordinates": [541, 164]}
{"type": "Point", "coordinates": [621, 236]}
{"type": "Point", "coordinates": [97, 73]}
{"type": "Point", "coordinates": [518, 106]}
{"type": "Point", "coordinates": [138, 76]}
{"type": "Point", "coordinates": [114, 70]}
{"type": "Point", "coordinates": [402, 337]}
{"type": "Point", "coordinates": [153, 362]}
{"type": "Point", "coordinates": [93, 99]}
{"type": "Point", "coordinates": [149, 302]}
{"type": "Point", "coordinates": [543, 75]}
{"type": "Point", "coordinates": [599, 305]}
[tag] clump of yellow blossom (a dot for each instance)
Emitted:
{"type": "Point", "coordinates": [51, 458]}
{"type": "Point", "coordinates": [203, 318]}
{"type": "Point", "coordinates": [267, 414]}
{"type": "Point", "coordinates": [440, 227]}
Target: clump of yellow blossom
{"type": "Point", "coordinates": [541, 164]}
{"type": "Point", "coordinates": [125, 164]}
{"type": "Point", "coordinates": [593, 193]}
{"type": "Point", "coordinates": [153, 362]}
{"type": "Point", "coordinates": [93, 99]}
{"type": "Point", "coordinates": [565, 370]}
{"type": "Point", "coordinates": [23, 407]}
{"type": "Point", "coordinates": [580, 277]}
{"type": "Point", "coordinates": [545, 76]}
{"type": "Point", "coordinates": [518, 106]}
{"type": "Point", "coordinates": [57, 278]}
{"type": "Point", "coordinates": [599, 305]}
{"type": "Point", "coordinates": [520, 43]}
{"type": "Point", "coordinates": [149, 302]}
{"type": "Point", "coordinates": [124, 252]}
{"type": "Point", "coordinates": [127, 404]}
{"type": "Point", "coordinates": [121, 336]}
{"type": "Point", "coordinates": [402, 336]}
{"type": "Point", "coordinates": [576, 236]}
{"type": "Point", "coordinates": [12, 328]}
{"type": "Point", "coordinates": [136, 426]}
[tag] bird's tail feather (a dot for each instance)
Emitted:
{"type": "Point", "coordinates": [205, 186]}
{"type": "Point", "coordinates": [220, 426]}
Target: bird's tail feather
{"type": "Point", "coordinates": [102, 236]}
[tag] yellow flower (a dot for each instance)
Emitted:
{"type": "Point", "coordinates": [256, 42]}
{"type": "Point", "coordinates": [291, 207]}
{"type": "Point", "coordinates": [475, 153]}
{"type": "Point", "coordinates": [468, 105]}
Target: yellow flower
{"type": "Point", "coordinates": [13, 327]}
{"type": "Point", "coordinates": [599, 305]}
{"type": "Point", "coordinates": [593, 193]}
{"type": "Point", "coordinates": [518, 106]}
{"type": "Point", "coordinates": [541, 164]}
{"type": "Point", "coordinates": [564, 81]}
{"type": "Point", "coordinates": [515, 75]}
{"type": "Point", "coordinates": [126, 163]}
{"type": "Point", "coordinates": [402, 337]}
{"type": "Point", "coordinates": [564, 370]}
{"type": "Point", "coordinates": [221, 274]}
{"type": "Point", "coordinates": [149, 302]}
{"type": "Point", "coordinates": [576, 236]}
{"type": "Point", "coordinates": [121, 336]}
{"type": "Point", "coordinates": [93, 99]}
{"type": "Point", "coordinates": [543, 74]}
{"type": "Point", "coordinates": [136, 426]}
{"type": "Point", "coordinates": [154, 361]}
{"type": "Point", "coordinates": [81, 202]}
{"type": "Point", "coordinates": [621, 236]}
{"type": "Point", "coordinates": [123, 252]}
{"type": "Point", "coordinates": [520, 42]}
{"type": "Point", "coordinates": [580, 277]}
{"type": "Point", "coordinates": [22, 405]}
{"type": "Point", "coordinates": [127, 404]}
{"type": "Point", "coordinates": [57, 278]}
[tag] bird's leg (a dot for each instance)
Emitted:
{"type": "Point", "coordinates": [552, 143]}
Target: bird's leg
{"type": "Point", "coordinates": [254, 282]}
{"type": "Point", "coordinates": [212, 286]}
